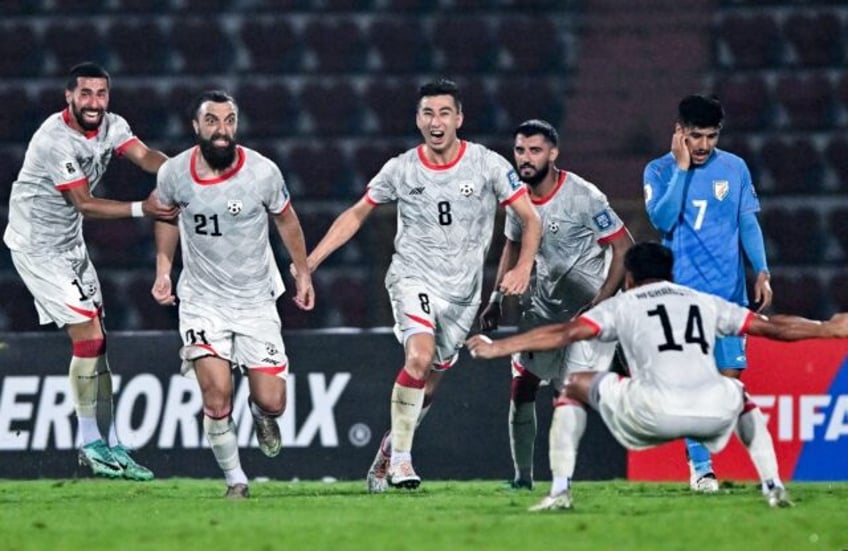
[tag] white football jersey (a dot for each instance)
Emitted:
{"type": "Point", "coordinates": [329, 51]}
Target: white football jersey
{"type": "Point", "coordinates": [572, 262]}
{"type": "Point", "coordinates": [226, 252]}
{"type": "Point", "coordinates": [668, 332]}
{"type": "Point", "coordinates": [59, 158]}
{"type": "Point", "coordinates": [446, 216]}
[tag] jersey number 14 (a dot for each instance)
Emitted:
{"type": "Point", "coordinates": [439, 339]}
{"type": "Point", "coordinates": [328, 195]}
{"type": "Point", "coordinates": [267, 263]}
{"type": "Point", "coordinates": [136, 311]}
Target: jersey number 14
{"type": "Point", "coordinates": [694, 329]}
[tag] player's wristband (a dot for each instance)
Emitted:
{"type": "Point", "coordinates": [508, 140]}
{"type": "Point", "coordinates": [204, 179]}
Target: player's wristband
{"type": "Point", "coordinates": [496, 296]}
{"type": "Point", "coordinates": [136, 210]}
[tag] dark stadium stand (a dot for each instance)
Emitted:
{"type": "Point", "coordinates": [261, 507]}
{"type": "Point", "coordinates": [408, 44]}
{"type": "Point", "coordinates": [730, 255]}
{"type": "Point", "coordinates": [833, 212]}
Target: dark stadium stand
{"type": "Point", "coordinates": [328, 89]}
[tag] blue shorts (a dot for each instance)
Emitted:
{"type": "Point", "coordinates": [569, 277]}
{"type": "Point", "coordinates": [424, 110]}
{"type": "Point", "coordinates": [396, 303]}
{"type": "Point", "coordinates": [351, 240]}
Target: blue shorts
{"type": "Point", "coordinates": [730, 353]}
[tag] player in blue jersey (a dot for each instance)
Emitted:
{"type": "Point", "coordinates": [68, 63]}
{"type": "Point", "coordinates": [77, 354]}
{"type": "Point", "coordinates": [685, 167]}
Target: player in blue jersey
{"type": "Point", "coordinates": [702, 200]}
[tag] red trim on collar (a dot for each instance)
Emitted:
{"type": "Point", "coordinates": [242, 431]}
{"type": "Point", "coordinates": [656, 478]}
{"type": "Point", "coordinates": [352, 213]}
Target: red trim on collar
{"type": "Point", "coordinates": [217, 180]}
{"type": "Point", "coordinates": [424, 161]}
{"type": "Point", "coordinates": [66, 116]}
{"type": "Point", "coordinates": [549, 196]}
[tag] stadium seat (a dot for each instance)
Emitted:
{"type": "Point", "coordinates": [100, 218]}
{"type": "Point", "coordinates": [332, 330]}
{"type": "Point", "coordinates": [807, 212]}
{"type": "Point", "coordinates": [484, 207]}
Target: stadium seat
{"type": "Point", "coordinates": [337, 44]}
{"type": "Point", "coordinates": [11, 159]}
{"type": "Point", "coordinates": [368, 158]}
{"type": "Point", "coordinates": [392, 102]}
{"type": "Point", "coordinates": [205, 6]}
{"type": "Point", "coordinates": [815, 37]}
{"type": "Point", "coordinates": [269, 109]}
{"type": "Point", "coordinates": [746, 102]}
{"type": "Point", "coordinates": [838, 291]}
{"type": "Point", "coordinates": [463, 45]}
{"type": "Point", "coordinates": [73, 41]}
{"type": "Point", "coordinates": [72, 7]}
{"type": "Point", "coordinates": [122, 243]}
{"type": "Point", "coordinates": [143, 108]}
{"type": "Point", "coordinates": [840, 92]}
{"type": "Point", "coordinates": [523, 99]}
{"type": "Point", "coordinates": [795, 166]}
{"type": "Point", "coordinates": [740, 145]}
{"type": "Point", "coordinates": [799, 294]}
{"type": "Point", "coordinates": [797, 234]}
{"type": "Point", "coordinates": [20, 7]}
{"type": "Point", "coordinates": [836, 154]}
{"type": "Point", "coordinates": [807, 101]}
{"type": "Point", "coordinates": [401, 43]}
{"type": "Point", "coordinates": [320, 170]}
{"type": "Point", "coordinates": [123, 7]}
{"type": "Point", "coordinates": [350, 299]}
{"type": "Point", "coordinates": [23, 54]}
{"type": "Point", "coordinates": [480, 110]}
{"type": "Point", "coordinates": [273, 44]}
{"type": "Point", "coordinates": [333, 107]}
{"type": "Point", "coordinates": [408, 5]}
{"type": "Point", "coordinates": [203, 46]}
{"type": "Point", "coordinates": [150, 314]}
{"type": "Point", "coordinates": [751, 41]}
{"type": "Point", "coordinates": [530, 44]}
{"type": "Point", "coordinates": [139, 46]}
{"type": "Point", "coordinates": [18, 309]}
{"type": "Point", "coordinates": [18, 120]}
{"type": "Point", "coordinates": [837, 223]}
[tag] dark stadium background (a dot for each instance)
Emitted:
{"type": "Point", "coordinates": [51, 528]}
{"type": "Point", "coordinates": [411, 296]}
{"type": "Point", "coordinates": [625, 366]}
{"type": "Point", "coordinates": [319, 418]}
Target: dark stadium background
{"type": "Point", "coordinates": [327, 89]}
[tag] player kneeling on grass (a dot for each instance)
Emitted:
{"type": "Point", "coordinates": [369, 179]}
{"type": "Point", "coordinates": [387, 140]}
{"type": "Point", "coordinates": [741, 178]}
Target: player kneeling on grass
{"type": "Point", "coordinates": [230, 282]}
{"type": "Point", "coordinates": [667, 332]}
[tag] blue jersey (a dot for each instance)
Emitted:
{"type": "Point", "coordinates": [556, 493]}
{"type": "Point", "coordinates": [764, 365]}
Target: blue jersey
{"type": "Point", "coordinates": [705, 235]}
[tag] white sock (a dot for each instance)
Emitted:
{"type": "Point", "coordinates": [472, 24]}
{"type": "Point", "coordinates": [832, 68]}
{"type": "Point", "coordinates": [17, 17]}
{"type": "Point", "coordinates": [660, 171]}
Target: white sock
{"type": "Point", "coordinates": [407, 402]}
{"type": "Point", "coordinates": [222, 438]}
{"type": "Point", "coordinates": [752, 430]}
{"type": "Point", "coordinates": [522, 437]}
{"type": "Point", "coordinates": [82, 376]}
{"type": "Point", "coordinates": [567, 427]}
{"type": "Point", "coordinates": [386, 442]}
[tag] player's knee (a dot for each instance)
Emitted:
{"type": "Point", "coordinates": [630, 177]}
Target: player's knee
{"type": "Point", "coordinates": [216, 404]}
{"type": "Point", "coordinates": [272, 405]}
{"type": "Point", "coordinates": [418, 363]}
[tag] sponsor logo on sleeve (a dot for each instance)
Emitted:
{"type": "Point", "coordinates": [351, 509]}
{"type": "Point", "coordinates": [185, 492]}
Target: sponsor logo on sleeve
{"type": "Point", "coordinates": [603, 220]}
{"type": "Point", "coordinates": [69, 169]}
{"type": "Point", "coordinates": [514, 180]}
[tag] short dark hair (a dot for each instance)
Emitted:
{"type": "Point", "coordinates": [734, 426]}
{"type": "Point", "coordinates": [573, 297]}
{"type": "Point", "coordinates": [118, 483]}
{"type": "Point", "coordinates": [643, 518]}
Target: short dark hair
{"type": "Point", "coordinates": [700, 111]}
{"type": "Point", "coordinates": [86, 69]}
{"type": "Point", "coordinates": [441, 87]}
{"type": "Point", "coordinates": [538, 127]}
{"type": "Point", "coordinates": [215, 96]}
{"type": "Point", "coordinates": [649, 260]}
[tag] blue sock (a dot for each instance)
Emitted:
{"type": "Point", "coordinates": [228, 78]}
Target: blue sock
{"type": "Point", "coordinates": [700, 457]}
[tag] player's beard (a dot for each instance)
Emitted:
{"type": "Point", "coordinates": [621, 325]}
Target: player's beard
{"type": "Point", "coordinates": [84, 124]}
{"type": "Point", "coordinates": [537, 177]}
{"type": "Point", "coordinates": [218, 158]}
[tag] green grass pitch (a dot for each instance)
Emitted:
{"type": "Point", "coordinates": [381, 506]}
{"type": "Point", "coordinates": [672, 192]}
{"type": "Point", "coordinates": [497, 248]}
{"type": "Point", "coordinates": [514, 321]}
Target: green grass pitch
{"type": "Point", "coordinates": [187, 514]}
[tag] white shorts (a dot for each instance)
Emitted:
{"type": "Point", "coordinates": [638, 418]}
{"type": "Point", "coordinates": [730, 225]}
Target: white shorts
{"type": "Point", "coordinates": [64, 285]}
{"type": "Point", "coordinates": [248, 339]}
{"type": "Point", "coordinates": [555, 365]}
{"type": "Point", "coordinates": [637, 417]}
{"type": "Point", "coordinates": [417, 309]}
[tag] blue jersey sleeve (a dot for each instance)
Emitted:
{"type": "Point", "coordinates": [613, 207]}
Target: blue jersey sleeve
{"type": "Point", "coordinates": [751, 236]}
{"type": "Point", "coordinates": [664, 193]}
{"type": "Point", "coordinates": [748, 201]}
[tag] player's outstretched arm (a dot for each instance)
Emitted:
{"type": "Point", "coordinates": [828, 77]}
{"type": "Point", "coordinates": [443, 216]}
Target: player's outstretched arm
{"type": "Point", "coordinates": [167, 235]}
{"type": "Point", "coordinates": [516, 280]}
{"type": "Point", "coordinates": [96, 207]}
{"type": "Point", "coordinates": [547, 337]}
{"type": "Point", "coordinates": [491, 316]}
{"type": "Point", "coordinates": [291, 232]}
{"type": "Point", "coordinates": [145, 158]}
{"type": "Point", "coordinates": [796, 328]}
{"type": "Point", "coordinates": [344, 227]}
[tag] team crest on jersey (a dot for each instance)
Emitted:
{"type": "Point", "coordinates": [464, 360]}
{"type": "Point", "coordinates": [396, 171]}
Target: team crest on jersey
{"type": "Point", "coordinates": [234, 206]}
{"type": "Point", "coordinates": [720, 189]}
{"type": "Point", "coordinates": [271, 349]}
{"type": "Point", "coordinates": [603, 220]}
{"type": "Point", "coordinates": [553, 227]}
{"type": "Point", "coordinates": [466, 188]}
{"type": "Point", "coordinates": [514, 180]}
